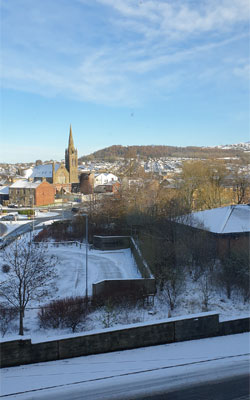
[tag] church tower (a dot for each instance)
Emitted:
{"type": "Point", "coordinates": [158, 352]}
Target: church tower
{"type": "Point", "coordinates": [71, 160]}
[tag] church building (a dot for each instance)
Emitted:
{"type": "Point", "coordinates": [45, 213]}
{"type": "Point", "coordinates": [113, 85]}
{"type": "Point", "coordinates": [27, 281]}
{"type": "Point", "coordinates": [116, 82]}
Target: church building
{"type": "Point", "coordinates": [60, 175]}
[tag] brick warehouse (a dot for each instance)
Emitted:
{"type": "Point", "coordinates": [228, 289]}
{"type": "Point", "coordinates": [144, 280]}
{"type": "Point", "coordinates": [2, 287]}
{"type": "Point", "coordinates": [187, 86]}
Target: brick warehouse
{"type": "Point", "coordinates": [28, 193]}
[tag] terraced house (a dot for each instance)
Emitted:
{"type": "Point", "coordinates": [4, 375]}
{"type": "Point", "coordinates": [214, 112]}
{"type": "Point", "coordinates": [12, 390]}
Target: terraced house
{"type": "Point", "coordinates": [28, 193]}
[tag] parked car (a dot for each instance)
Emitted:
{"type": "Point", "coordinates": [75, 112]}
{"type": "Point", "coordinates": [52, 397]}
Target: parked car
{"type": "Point", "coordinates": [8, 218]}
{"type": "Point", "coordinates": [13, 206]}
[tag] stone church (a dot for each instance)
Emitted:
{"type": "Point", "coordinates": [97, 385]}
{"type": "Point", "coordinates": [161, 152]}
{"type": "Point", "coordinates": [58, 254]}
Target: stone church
{"type": "Point", "coordinates": [60, 175]}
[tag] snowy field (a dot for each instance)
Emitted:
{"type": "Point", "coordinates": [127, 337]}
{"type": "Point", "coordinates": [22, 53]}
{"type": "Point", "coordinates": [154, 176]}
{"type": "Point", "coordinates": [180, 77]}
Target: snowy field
{"type": "Point", "coordinates": [116, 373]}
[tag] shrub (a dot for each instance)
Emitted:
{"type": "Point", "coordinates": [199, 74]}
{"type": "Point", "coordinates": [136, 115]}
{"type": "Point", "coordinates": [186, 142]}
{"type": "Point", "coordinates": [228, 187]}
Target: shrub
{"type": "Point", "coordinates": [64, 313]}
{"type": "Point", "coordinates": [5, 268]}
{"type": "Point", "coordinates": [109, 317]}
{"type": "Point", "coordinates": [26, 212]}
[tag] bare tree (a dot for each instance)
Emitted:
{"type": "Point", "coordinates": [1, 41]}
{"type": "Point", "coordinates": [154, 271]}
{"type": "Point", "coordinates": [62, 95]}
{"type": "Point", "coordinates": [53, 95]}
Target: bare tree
{"type": "Point", "coordinates": [205, 284]}
{"type": "Point", "coordinates": [31, 275]}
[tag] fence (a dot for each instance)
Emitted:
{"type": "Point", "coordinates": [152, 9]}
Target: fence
{"type": "Point", "coordinates": [66, 243]}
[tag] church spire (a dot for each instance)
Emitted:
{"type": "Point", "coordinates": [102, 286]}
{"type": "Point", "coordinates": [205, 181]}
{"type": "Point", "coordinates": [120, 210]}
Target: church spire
{"type": "Point", "coordinates": [71, 143]}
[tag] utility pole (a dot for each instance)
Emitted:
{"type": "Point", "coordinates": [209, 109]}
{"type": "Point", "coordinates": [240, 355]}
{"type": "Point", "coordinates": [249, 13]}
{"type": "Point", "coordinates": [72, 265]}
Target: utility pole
{"type": "Point", "coordinates": [87, 245]}
{"type": "Point", "coordinates": [86, 259]}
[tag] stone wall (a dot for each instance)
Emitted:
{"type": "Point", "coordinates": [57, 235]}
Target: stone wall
{"type": "Point", "coordinates": [141, 263]}
{"type": "Point", "coordinates": [17, 352]}
{"type": "Point", "coordinates": [138, 288]}
{"type": "Point", "coordinates": [111, 242]}
{"type": "Point", "coordinates": [231, 327]}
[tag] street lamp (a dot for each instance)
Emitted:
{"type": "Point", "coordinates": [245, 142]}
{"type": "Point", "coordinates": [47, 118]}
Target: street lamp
{"type": "Point", "coordinates": [33, 220]}
{"type": "Point", "coordinates": [86, 234]}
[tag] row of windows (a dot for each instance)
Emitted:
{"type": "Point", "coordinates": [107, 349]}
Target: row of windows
{"type": "Point", "coordinates": [22, 191]}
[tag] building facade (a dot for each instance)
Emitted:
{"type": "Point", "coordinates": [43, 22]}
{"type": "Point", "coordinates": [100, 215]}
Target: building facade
{"type": "Point", "coordinates": [28, 193]}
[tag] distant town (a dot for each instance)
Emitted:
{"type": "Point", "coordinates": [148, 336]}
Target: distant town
{"type": "Point", "coordinates": [108, 171]}
{"type": "Point", "coordinates": [122, 236]}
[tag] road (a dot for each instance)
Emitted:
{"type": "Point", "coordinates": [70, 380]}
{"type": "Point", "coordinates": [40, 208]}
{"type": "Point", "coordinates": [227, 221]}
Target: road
{"type": "Point", "coordinates": [20, 230]}
{"type": "Point", "coordinates": [192, 382]}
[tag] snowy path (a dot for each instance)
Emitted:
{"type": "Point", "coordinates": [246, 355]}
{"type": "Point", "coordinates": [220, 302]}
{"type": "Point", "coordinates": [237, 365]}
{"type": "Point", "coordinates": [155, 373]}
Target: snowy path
{"type": "Point", "coordinates": [172, 363]}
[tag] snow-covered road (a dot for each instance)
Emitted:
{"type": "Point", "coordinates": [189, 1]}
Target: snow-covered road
{"type": "Point", "coordinates": [116, 374]}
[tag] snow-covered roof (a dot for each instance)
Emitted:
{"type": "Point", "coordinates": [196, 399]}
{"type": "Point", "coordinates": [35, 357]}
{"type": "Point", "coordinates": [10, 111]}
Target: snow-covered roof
{"type": "Point", "coordinates": [27, 172]}
{"type": "Point", "coordinates": [44, 171]}
{"type": "Point", "coordinates": [230, 219]}
{"type": "Point", "coordinates": [25, 184]}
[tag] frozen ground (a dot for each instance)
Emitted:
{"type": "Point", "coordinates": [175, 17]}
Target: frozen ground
{"type": "Point", "coordinates": [195, 360]}
{"type": "Point", "coordinates": [121, 265]}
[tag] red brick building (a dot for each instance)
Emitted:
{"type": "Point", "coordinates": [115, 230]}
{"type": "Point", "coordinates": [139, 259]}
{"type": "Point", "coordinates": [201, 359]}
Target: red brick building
{"type": "Point", "coordinates": [44, 194]}
{"type": "Point", "coordinates": [28, 193]}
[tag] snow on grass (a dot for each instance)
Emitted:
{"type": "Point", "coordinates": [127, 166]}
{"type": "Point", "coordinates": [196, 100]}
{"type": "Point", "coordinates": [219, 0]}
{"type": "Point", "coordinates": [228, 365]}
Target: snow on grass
{"type": "Point", "coordinates": [120, 264]}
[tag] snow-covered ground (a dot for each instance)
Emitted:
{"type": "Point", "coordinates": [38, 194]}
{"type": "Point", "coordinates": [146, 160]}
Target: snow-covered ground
{"type": "Point", "coordinates": [71, 277]}
{"type": "Point", "coordinates": [195, 360]}
{"type": "Point", "coordinates": [119, 264]}
{"type": "Point", "coordinates": [71, 268]}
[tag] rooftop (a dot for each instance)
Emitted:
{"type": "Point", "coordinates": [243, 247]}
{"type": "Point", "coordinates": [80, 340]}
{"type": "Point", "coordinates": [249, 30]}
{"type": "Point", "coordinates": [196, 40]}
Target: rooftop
{"type": "Point", "coordinates": [44, 170]}
{"type": "Point", "coordinates": [25, 184]}
{"type": "Point", "coordinates": [230, 219]}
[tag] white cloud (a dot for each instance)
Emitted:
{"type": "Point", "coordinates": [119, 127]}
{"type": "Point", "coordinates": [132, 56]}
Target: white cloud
{"type": "Point", "coordinates": [177, 17]}
{"type": "Point", "coordinates": [243, 71]}
{"type": "Point", "coordinates": [124, 57]}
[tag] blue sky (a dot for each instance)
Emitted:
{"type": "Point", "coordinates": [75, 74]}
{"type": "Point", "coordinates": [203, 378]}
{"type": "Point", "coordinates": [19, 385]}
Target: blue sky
{"type": "Point", "coordinates": [127, 72]}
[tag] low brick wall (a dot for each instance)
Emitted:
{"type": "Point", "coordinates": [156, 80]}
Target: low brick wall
{"type": "Point", "coordinates": [171, 330]}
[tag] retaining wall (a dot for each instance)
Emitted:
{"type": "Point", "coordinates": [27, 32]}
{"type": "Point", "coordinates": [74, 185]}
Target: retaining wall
{"type": "Point", "coordinates": [199, 326]}
{"type": "Point", "coordinates": [111, 242]}
{"type": "Point", "coordinates": [115, 287]}
{"type": "Point", "coordinates": [139, 288]}
{"type": "Point", "coordinates": [141, 263]}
